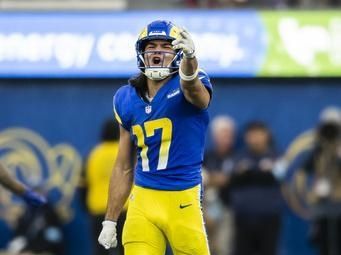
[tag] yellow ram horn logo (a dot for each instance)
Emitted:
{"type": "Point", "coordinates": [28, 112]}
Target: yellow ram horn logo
{"type": "Point", "coordinates": [50, 169]}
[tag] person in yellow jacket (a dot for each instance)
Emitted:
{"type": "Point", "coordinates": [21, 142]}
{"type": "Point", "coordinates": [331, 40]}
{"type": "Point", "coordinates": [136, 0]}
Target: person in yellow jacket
{"type": "Point", "coordinates": [98, 171]}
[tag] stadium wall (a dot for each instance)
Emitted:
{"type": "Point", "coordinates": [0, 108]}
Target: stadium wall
{"type": "Point", "coordinates": [72, 110]}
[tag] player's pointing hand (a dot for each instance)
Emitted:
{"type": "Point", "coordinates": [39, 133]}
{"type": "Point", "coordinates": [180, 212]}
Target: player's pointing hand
{"type": "Point", "coordinates": [185, 43]}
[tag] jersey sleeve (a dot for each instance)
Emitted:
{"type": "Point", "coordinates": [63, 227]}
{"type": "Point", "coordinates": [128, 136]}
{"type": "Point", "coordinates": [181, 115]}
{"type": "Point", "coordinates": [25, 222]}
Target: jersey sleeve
{"type": "Point", "coordinates": [121, 110]}
{"type": "Point", "coordinates": [205, 80]}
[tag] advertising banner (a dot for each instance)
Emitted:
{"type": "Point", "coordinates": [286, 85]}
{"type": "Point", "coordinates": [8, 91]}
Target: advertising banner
{"type": "Point", "coordinates": [228, 43]}
{"type": "Point", "coordinates": [306, 43]}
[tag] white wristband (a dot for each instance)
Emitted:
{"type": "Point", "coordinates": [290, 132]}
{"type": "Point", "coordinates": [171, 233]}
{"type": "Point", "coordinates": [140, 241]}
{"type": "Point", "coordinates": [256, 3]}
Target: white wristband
{"type": "Point", "coordinates": [188, 77]}
{"type": "Point", "coordinates": [109, 223]}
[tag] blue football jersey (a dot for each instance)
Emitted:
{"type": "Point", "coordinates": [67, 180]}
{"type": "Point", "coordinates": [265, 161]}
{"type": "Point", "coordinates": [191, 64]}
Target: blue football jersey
{"type": "Point", "coordinates": [169, 133]}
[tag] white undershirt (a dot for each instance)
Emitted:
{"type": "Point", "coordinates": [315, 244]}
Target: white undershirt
{"type": "Point", "coordinates": [149, 98]}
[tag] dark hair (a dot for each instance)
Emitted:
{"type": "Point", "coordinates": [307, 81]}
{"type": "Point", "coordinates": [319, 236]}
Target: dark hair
{"type": "Point", "coordinates": [256, 125]}
{"type": "Point", "coordinates": [110, 130]}
{"type": "Point", "coordinates": [259, 125]}
{"type": "Point", "coordinates": [139, 82]}
{"type": "Point", "coordinates": [328, 132]}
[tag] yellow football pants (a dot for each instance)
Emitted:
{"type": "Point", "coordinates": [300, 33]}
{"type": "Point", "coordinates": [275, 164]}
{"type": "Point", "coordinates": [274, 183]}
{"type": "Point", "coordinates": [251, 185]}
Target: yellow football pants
{"type": "Point", "coordinates": [155, 216]}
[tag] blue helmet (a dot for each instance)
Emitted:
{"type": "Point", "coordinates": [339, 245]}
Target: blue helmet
{"type": "Point", "coordinates": [158, 30]}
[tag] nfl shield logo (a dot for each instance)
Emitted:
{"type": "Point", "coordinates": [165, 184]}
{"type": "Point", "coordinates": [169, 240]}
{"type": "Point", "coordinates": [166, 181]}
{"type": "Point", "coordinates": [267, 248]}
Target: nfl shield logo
{"type": "Point", "coordinates": [148, 109]}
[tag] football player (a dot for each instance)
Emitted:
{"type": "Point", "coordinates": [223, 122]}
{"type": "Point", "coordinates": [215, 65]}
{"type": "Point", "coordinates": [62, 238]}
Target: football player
{"type": "Point", "coordinates": [29, 196]}
{"type": "Point", "coordinates": [164, 111]}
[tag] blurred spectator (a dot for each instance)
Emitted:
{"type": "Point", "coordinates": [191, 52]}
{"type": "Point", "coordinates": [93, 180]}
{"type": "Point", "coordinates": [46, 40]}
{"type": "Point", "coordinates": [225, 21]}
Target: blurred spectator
{"type": "Point", "coordinates": [262, 3]}
{"type": "Point", "coordinates": [39, 231]}
{"type": "Point", "coordinates": [235, 3]}
{"type": "Point", "coordinates": [98, 172]}
{"type": "Point", "coordinates": [218, 163]}
{"type": "Point", "coordinates": [200, 3]}
{"type": "Point", "coordinates": [313, 3]}
{"type": "Point", "coordinates": [314, 177]}
{"type": "Point", "coordinates": [255, 194]}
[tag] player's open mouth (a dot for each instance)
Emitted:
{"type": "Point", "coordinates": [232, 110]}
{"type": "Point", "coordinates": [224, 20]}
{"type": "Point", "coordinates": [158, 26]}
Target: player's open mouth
{"type": "Point", "coordinates": [156, 60]}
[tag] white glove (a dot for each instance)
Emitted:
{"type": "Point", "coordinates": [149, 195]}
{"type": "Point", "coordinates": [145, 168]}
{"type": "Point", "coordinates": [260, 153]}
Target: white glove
{"type": "Point", "coordinates": [185, 43]}
{"type": "Point", "coordinates": [107, 237]}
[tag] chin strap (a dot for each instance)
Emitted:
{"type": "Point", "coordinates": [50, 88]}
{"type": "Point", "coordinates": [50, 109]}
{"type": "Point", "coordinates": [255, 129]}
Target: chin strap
{"type": "Point", "coordinates": [157, 74]}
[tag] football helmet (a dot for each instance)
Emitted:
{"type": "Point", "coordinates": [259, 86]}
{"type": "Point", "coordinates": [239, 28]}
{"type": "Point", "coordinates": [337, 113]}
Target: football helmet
{"type": "Point", "coordinates": [158, 30]}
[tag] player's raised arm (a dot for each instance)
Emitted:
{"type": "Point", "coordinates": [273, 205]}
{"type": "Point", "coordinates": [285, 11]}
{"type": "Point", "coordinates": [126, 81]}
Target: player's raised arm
{"type": "Point", "coordinates": [119, 189]}
{"type": "Point", "coordinates": [193, 89]}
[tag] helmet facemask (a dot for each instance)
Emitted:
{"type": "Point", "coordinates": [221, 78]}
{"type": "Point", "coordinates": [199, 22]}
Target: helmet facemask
{"type": "Point", "coordinates": [158, 65]}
